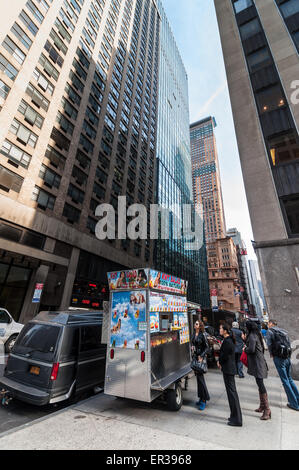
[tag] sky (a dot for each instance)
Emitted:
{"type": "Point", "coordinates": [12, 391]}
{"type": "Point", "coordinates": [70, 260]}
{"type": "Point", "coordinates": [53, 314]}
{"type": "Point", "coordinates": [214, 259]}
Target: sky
{"type": "Point", "coordinates": [195, 28]}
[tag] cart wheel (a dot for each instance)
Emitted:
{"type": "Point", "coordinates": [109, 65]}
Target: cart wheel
{"type": "Point", "coordinates": [175, 398]}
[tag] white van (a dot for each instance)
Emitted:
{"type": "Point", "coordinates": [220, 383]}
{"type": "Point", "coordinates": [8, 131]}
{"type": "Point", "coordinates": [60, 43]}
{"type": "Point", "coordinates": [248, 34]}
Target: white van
{"type": "Point", "coordinates": [9, 329]}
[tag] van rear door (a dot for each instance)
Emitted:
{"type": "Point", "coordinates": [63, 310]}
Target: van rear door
{"type": "Point", "coordinates": [31, 360]}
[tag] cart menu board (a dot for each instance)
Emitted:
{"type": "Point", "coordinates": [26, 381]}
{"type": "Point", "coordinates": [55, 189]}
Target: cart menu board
{"type": "Point", "coordinates": [167, 303]}
{"type": "Point", "coordinates": [166, 282]}
{"type": "Point", "coordinates": [128, 319]}
{"type": "Point", "coordinates": [154, 322]}
{"type": "Point", "coordinates": [134, 279]}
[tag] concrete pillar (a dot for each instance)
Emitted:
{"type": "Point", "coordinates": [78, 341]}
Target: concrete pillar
{"type": "Point", "coordinates": [30, 309]}
{"type": "Point", "coordinates": [70, 278]}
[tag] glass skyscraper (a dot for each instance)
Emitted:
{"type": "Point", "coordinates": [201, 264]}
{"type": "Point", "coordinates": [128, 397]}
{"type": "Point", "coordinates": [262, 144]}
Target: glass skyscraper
{"type": "Point", "coordinates": [174, 175]}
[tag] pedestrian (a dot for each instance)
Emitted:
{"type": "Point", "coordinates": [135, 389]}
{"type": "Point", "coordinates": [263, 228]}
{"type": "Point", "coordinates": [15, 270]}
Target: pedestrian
{"type": "Point", "coordinates": [257, 365]}
{"type": "Point", "coordinates": [238, 348]}
{"type": "Point", "coordinates": [280, 350]}
{"type": "Point", "coordinates": [264, 330]}
{"type": "Point", "coordinates": [200, 349]}
{"type": "Point", "coordinates": [227, 364]}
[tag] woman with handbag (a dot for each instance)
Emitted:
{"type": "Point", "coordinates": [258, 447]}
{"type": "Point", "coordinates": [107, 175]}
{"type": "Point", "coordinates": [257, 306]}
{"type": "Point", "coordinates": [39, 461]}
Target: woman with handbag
{"type": "Point", "coordinates": [257, 366]}
{"type": "Point", "coordinates": [227, 364]}
{"type": "Point", "coordinates": [200, 349]}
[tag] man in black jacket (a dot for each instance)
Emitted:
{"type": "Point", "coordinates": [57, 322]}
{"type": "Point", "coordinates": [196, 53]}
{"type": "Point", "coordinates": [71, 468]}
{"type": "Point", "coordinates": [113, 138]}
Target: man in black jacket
{"type": "Point", "coordinates": [227, 364]}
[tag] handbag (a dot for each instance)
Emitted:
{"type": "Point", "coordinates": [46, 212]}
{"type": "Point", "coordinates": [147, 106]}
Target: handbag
{"type": "Point", "coordinates": [199, 367]}
{"type": "Point", "coordinates": [244, 359]}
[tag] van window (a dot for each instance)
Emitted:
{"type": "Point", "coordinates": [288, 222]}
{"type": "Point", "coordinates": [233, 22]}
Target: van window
{"type": "Point", "coordinates": [90, 338]}
{"type": "Point", "coordinates": [38, 341]}
{"type": "Point", "coordinates": [4, 317]}
{"type": "Point", "coordinates": [70, 345]}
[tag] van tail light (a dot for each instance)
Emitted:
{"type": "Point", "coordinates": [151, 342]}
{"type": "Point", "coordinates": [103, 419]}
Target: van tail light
{"type": "Point", "coordinates": [112, 354]}
{"type": "Point", "coordinates": [54, 372]}
{"type": "Point", "coordinates": [142, 356]}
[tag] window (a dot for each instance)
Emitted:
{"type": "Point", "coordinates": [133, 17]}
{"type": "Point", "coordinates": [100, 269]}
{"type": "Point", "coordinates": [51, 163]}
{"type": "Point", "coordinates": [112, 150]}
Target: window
{"type": "Point", "coordinates": [58, 42]}
{"type": "Point", "coordinates": [37, 98]}
{"type": "Point", "coordinates": [48, 67]}
{"type": "Point", "coordinates": [65, 124]}
{"type": "Point", "coordinates": [62, 31]}
{"type": "Point", "coordinates": [13, 49]}
{"type": "Point", "coordinates": [92, 117]}
{"type": "Point", "coordinates": [43, 82]}
{"type": "Point", "coordinates": [35, 11]}
{"type": "Point", "coordinates": [250, 29]}
{"type": "Point", "coordinates": [83, 160]}
{"type": "Point", "coordinates": [73, 96]}
{"type": "Point", "coordinates": [270, 99]}
{"type": "Point", "coordinates": [21, 36]}
{"type": "Point", "coordinates": [56, 159]}
{"type": "Point", "coordinates": [4, 90]}
{"type": "Point", "coordinates": [10, 181]}
{"type": "Point", "coordinates": [30, 115]}
{"type": "Point", "coordinates": [284, 148]}
{"type": "Point", "coordinates": [50, 177]}
{"type": "Point", "coordinates": [241, 5]}
{"type": "Point", "coordinates": [258, 60]}
{"type": "Point", "coordinates": [90, 338]}
{"type": "Point", "coordinates": [15, 154]}
{"type": "Point", "coordinates": [289, 8]}
{"type": "Point", "coordinates": [70, 111]}
{"type": "Point", "coordinates": [28, 23]}
{"type": "Point", "coordinates": [60, 140]}
{"type": "Point", "coordinates": [23, 134]}
{"type": "Point", "coordinates": [7, 68]}
{"type": "Point", "coordinates": [75, 194]}
{"type": "Point", "coordinates": [90, 132]}
{"type": "Point", "coordinates": [86, 144]}
{"type": "Point", "coordinates": [54, 56]}
{"type": "Point", "coordinates": [291, 207]}
{"type": "Point", "coordinates": [79, 176]}
{"type": "Point", "coordinates": [43, 199]}
{"type": "Point", "coordinates": [71, 213]}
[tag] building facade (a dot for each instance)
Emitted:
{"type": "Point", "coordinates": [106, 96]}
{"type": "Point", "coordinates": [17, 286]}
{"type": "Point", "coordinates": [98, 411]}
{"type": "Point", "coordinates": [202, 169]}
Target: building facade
{"type": "Point", "coordinates": [244, 270]}
{"type": "Point", "coordinates": [260, 47]}
{"type": "Point", "coordinates": [224, 274]}
{"type": "Point", "coordinates": [79, 89]}
{"type": "Point", "coordinates": [174, 174]}
{"type": "Point", "coordinates": [206, 177]}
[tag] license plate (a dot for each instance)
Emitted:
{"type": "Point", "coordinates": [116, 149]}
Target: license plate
{"type": "Point", "coordinates": [34, 370]}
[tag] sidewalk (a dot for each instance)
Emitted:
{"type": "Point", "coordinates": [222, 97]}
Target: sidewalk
{"type": "Point", "coordinates": [107, 423]}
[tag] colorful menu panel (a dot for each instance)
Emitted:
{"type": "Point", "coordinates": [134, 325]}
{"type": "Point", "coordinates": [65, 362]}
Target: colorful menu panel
{"type": "Point", "coordinates": [154, 322]}
{"type": "Point", "coordinates": [183, 324]}
{"type": "Point", "coordinates": [167, 303]}
{"type": "Point", "coordinates": [166, 282]}
{"type": "Point", "coordinates": [128, 319]}
{"type": "Point", "coordinates": [134, 279]}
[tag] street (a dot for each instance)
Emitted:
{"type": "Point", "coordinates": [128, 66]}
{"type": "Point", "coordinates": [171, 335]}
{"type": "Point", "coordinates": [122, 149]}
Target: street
{"type": "Point", "coordinates": [18, 413]}
{"type": "Point", "coordinates": [105, 422]}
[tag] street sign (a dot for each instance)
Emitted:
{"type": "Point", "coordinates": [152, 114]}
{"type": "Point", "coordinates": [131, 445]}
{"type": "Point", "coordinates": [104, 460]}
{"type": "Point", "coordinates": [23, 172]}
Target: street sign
{"type": "Point", "coordinates": [37, 293]}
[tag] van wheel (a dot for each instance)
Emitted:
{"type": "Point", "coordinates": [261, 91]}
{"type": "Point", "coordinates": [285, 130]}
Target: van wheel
{"type": "Point", "coordinates": [10, 344]}
{"type": "Point", "coordinates": [175, 398]}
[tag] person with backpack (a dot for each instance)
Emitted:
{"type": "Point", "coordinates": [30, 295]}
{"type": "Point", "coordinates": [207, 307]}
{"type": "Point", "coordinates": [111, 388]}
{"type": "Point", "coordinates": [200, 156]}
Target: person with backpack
{"type": "Point", "coordinates": [280, 350]}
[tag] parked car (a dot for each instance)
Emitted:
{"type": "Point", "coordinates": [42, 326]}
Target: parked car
{"type": "Point", "coordinates": [9, 329]}
{"type": "Point", "coordinates": [56, 356]}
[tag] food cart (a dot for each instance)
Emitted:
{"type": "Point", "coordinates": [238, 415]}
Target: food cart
{"type": "Point", "coordinates": [148, 350]}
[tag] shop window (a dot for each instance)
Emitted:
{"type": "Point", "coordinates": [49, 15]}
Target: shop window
{"type": "Point", "coordinates": [291, 207]}
{"type": "Point", "coordinates": [10, 233]}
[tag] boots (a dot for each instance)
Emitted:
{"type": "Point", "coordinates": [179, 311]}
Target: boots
{"type": "Point", "coordinates": [261, 408]}
{"type": "Point", "coordinates": [266, 408]}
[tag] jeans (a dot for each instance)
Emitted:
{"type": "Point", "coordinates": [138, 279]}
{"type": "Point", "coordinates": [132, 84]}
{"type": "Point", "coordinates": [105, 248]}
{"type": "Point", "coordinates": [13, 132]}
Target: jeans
{"type": "Point", "coordinates": [283, 367]}
{"type": "Point", "coordinates": [239, 364]}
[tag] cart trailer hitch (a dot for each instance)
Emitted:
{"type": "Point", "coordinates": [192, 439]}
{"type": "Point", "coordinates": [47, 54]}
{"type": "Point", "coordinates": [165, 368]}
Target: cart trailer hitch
{"type": "Point", "coordinates": [5, 397]}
